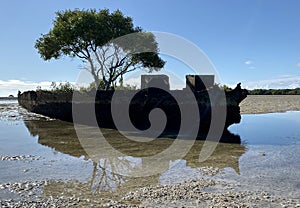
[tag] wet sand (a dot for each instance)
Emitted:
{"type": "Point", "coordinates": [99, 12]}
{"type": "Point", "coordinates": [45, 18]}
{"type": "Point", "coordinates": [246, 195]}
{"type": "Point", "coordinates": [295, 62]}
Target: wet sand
{"type": "Point", "coordinates": [257, 104]}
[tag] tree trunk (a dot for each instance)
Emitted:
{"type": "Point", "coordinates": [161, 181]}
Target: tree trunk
{"type": "Point", "coordinates": [107, 86]}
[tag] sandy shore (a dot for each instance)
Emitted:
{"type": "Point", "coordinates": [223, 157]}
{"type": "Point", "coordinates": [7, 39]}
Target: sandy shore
{"type": "Point", "coordinates": [194, 193]}
{"type": "Point", "coordinates": [255, 104]}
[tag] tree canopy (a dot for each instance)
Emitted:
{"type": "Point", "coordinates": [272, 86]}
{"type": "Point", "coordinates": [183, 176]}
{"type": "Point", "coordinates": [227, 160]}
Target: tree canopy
{"type": "Point", "coordinates": [96, 38]}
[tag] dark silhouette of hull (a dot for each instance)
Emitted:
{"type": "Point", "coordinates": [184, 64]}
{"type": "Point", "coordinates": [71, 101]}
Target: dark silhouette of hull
{"type": "Point", "coordinates": [59, 105]}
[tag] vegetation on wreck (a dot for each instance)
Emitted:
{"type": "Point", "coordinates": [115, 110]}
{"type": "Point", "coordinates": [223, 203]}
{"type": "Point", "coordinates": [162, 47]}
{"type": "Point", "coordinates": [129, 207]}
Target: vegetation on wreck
{"type": "Point", "coordinates": [67, 87]}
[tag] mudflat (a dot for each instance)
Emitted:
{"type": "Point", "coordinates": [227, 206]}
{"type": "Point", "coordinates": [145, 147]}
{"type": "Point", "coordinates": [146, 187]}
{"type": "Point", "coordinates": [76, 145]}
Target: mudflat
{"type": "Point", "coordinates": [257, 104]}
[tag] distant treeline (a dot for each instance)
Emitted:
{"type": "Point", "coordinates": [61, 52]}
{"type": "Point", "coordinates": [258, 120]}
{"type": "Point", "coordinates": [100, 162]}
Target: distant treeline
{"type": "Point", "coordinates": [8, 98]}
{"type": "Point", "coordinates": [295, 91]}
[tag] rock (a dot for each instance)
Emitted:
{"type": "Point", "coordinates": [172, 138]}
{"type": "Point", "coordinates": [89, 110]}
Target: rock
{"type": "Point", "coordinates": [20, 158]}
{"type": "Point", "coordinates": [262, 154]}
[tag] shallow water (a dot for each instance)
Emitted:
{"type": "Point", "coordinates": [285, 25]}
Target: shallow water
{"type": "Point", "coordinates": [272, 159]}
{"type": "Point", "coordinates": [268, 158]}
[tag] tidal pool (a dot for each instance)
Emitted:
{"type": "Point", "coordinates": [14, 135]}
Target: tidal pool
{"type": "Point", "coordinates": [272, 159]}
{"type": "Point", "coordinates": [268, 158]}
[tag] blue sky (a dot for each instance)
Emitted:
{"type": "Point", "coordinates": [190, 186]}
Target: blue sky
{"type": "Point", "coordinates": [253, 42]}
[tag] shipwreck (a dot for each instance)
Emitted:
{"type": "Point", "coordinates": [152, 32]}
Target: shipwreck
{"type": "Point", "coordinates": [200, 91]}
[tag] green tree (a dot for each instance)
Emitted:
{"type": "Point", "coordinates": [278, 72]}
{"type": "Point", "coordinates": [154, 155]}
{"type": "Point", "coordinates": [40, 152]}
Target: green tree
{"type": "Point", "coordinates": [93, 36]}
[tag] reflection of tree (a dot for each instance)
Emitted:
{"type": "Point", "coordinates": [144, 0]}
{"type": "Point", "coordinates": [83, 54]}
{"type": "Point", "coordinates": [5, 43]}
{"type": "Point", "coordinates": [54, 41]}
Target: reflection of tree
{"type": "Point", "coordinates": [104, 178]}
{"type": "Point", "coordinates": [105, 174]}
{"type": "Point", "coordinates": [115, 173]}
{"type": "Point", "coordinates": [61, 136]}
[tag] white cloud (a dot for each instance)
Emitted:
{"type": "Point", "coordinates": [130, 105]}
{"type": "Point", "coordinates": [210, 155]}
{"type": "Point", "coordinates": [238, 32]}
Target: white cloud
{"type": "Point", "coordinates": [248, 62]}
{"type": "Point", "coordinates": [11, 87]}
{"type": "Point", "coordinates": [286, 82]}
{"type": "Point", "coordinates": [298, 64]}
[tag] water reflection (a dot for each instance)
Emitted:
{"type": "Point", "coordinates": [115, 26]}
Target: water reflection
{"type": "Point", "coordinates": [113, 172]}
{"type": "Point", "coordinates": [269, 129]}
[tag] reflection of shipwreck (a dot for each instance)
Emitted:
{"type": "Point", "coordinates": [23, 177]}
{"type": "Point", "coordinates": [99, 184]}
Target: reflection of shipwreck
{"type": "Point", "coordinates": [194, 105]}
{"type": "Point", "coordinates": [61, 136]}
